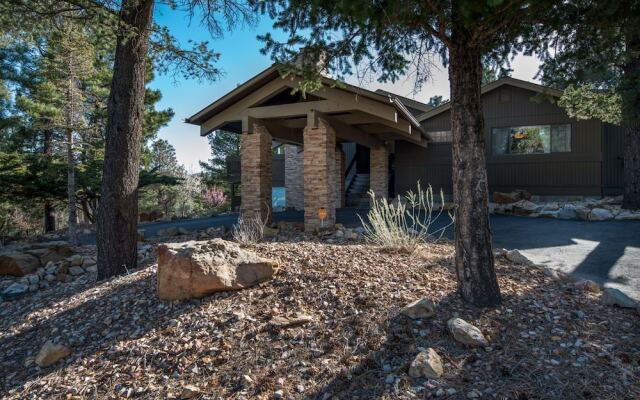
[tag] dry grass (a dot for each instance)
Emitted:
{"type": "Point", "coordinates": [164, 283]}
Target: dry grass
{"type": "Point", "coordinates": [128, 344]}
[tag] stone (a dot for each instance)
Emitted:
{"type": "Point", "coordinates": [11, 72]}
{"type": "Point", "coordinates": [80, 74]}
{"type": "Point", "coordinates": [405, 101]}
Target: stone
{"type": "Point", "coordinates": [587, 285]}
{"type": "Point", "coordinates": [427, 364]}
{"type": "Point", "coordinates": [18, 264]}
{"type": "Point", "coordinates": [92, 268]}
{"type": "Point", "coordinates": [505, 198]}
{"type": "Point", "coordinates": [466, 333]}
{"type": "Point", "coordinates": [568, 211]}
{"type": "Point", "coordinates": [422, 308]}
{"type": "Point", "coordinates": [517, 257]}
{"type": "Point", "coordinates": [32, 279]}
{"type": "Point", "coordinates": [51, 353]}
{"type": "Point", "coordinates": [50, 278]}
{"type": "Point", "coordinates": [582, 213]}
{"type": "Point", "coordinates": [197, 269]}
{"type": "Point", "coordinates": [76, 260]}
{"type": "Point", "coordinates": [600, 214]}
{"type": "Point", "coordinates": [283, 322]}
{"type": "Point", "coordinates": [75, 271]}
{"type": "Point", "coordinates": [614, 297]}
{"type": "Point", "coordinates": [14, 291]}
{"type": "Point", "coordinates": [628, 215]}
{"type": "Point", "coordinates": [524, 207]}
{"type": "Point", "coordinates": [56, 251]}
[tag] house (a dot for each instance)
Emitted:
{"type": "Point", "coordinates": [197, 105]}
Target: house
{"type": "Point", "coordinates": [343, 140]}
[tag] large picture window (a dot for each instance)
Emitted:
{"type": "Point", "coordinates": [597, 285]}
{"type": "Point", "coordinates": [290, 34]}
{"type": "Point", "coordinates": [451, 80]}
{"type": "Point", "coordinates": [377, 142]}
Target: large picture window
{"type": "Point", "coordinates": [535, 139]}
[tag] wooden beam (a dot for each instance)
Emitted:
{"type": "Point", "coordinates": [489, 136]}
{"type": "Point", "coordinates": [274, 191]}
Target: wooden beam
{"type": "Point", "coordinates": [364, 104]}
{"type": "Point", "coordinates": [345, 131]}
{"type": "Point", "coordinates": [278, 132]}
{"type": "Point", "coordinates": [233, 112]}
{"type": "Point", "coordinates": [294, 109]}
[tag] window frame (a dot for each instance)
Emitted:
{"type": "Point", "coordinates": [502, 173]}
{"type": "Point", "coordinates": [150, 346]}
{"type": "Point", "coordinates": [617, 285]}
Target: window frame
{"type": "Point", "coordinates": [550, 125]}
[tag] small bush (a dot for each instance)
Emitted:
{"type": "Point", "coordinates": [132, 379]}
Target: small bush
{"type": "Point", "coordinates": [249, 229]}
{"type": "Point", "coordinates": [406, 223]}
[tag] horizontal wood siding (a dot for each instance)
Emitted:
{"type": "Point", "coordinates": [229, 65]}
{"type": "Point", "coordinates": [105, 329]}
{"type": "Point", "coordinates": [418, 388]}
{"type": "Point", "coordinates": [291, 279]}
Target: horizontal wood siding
{"type": "Point", "coordinates": [578, 172]}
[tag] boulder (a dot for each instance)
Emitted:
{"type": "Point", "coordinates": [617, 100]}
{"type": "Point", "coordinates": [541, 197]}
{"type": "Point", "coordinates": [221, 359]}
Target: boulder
{"type": "Point", "coordinates": [582, 213]}
{"type": "Point", "coordinates": [75, 271]}
{"type": "Point", "coordinates": [427, 364]}
{"type": "Point", "coordinates": [614, 297]}
{"type": "Point", "coordinates": [422, 308]}
{"type": "Point", "coordinates": [76, 260]}
{"type": "Point", "coordinates": [600, 214]}
{"type": "Point", "coordinates": [51, 353]}
{"type": "Point", "coordinates": [197, 269]}
{"type": "Point", "coordinates": [55, 252]}
{"type": "Point", "coordinates": [587, 285]}
{"type": "Point", "coordinates": [567, 212]}
{"type": "Point", "coordinates": [628, 215]}
{"type": "Point", "coordinates": [466, 333]}
{"type": "Point", "coordinates": [14, 291]}
{"type": "Point", "coordinates": [18, 264]}
{"type": "Point", "coordinates": [524, 207]}
{"type": "Point", "coordinates": [505, 198]}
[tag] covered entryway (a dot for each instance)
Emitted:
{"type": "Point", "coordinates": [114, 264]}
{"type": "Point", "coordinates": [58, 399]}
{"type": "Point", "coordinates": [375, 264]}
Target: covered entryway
{"type": "Point", "coordinates": [267, 109]}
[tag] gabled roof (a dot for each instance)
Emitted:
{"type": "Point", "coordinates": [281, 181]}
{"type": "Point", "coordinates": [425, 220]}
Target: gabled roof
{"type": "Point", "coordinates": [272, 73]}
{"type": "Point", "coordinates": [494, 85]}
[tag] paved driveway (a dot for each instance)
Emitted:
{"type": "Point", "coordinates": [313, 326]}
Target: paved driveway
{"type": "Point", "coordinates": [607, 252]}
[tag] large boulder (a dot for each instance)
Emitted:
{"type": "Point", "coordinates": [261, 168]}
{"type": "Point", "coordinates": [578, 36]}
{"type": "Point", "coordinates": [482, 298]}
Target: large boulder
{"type": "Point", "coordinates": [422, 308]}
{"type": "Point", "coordinates": [51, 353]}
{"type": "Point", "coordinates": [512, 197]}
{"type": "Point", "coordinates": [18, 264]}
{"type": "Point", "coordinates": [614, 297]}
{"type": "Point", "coordinates": [196, 269]}
{"type": "Point", "coordinates": [600, 214]}
{"type": "Point", "coordinates": [427, 364]}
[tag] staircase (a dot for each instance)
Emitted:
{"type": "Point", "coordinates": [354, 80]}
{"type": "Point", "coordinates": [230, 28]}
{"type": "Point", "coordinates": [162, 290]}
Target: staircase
{"type": "Point", "coordinates": [356, 192]}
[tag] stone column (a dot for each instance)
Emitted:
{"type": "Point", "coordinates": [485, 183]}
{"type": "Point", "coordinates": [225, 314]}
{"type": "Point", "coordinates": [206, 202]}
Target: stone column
{"type": "Point", "coordinates": [340, 195]}
{"type": "Point", "coordinates": [319, 175]}
{"type": "Point", "coordinates": [379, 173]}
{"type": "Point", "coordinates": [255, 166]}
{"type": "Point", "coordinates": [293, 176]}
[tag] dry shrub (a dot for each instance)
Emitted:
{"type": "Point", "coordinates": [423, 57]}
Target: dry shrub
{"type": "Point", "coordinates": [406, 223]}
{"type": "Point", "coordinates": [249, 229]}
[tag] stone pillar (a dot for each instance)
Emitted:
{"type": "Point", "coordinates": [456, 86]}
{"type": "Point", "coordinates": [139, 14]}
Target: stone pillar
{"type": "Point", "coordinates": [379, 171]}
{"type": "Point", "coordinates": [319, 175]}
{"type": "Point", "coordinates": [255, 168]}
{"type": "Point", "coordinates": [293, 177]}
{"type": "Point", "coordinates": [340, 195]}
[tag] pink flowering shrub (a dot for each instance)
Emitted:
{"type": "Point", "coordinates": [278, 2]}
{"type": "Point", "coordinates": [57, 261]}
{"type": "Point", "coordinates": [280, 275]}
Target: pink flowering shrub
{"type": "Point", "coordinates": [214, 197]}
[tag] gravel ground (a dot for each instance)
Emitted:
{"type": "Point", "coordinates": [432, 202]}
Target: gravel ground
{"type": "Point", "coordinates": [548, 340]}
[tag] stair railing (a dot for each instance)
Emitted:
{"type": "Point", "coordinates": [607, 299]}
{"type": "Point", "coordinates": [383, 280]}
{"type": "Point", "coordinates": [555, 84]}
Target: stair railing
{"type": "Point", "coordinates": [350, 174]}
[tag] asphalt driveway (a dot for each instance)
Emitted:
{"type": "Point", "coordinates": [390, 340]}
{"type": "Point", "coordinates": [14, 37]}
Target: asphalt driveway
{"type": "Point", "coordinates": [607, 252]}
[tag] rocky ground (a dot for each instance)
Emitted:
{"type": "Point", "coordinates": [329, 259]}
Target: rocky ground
{"type": "Point", "coordinates": [329, 325]}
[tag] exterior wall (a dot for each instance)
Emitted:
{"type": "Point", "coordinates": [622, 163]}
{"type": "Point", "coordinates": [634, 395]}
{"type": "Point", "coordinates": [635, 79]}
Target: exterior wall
{"type": "Point", "coordinates": [319, 175]}
{"type": "Point", "coordinates": [379, 171]}
{"type": "Point", "coordinates": [294, 177]}
{"type": "Point", "coordinates": [578, 172]}
{"type": "Point", "coordinates": [256, 163]}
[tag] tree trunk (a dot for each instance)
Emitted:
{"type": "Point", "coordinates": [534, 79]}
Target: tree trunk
{"type": "Point", "coordinates": [118, 211]}
{"type": "Point", "coordinates": [478, 284]}
{"type": "Point", "coordinates": [631, 115]}
{"type": "Point", "coordinates": [48, 211]}
{"type": "Point", "coordinates": [72, 230]}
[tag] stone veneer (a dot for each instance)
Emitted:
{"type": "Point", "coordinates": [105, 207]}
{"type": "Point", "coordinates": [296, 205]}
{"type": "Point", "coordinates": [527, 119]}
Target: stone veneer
{"type": "Point", "coordinates": [379, 174]}
{"type": "Point", "coordinates": [340, 166]}
{"type": "Point", "coordinates": [319, 175]}
{"type": "Point", "coordinates": [255, 166]}
{"type": "Point", "coordinates": [294, 177]}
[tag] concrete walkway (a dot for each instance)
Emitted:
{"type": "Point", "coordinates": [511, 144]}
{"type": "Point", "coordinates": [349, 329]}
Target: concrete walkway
{"type": "Point", "coordinates": [607, 252]}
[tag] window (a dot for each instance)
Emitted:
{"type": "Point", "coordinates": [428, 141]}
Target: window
{"type": "Point", "coordinates": [441, 136]}
{"type": "Point", "coordinates": [536, 139]}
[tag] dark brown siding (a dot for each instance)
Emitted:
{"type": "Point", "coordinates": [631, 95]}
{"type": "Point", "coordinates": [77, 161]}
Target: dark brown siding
{"type": "Point", "coordinates": [578, 172]}
{"type": "Point", "coordinates": [613, 159]}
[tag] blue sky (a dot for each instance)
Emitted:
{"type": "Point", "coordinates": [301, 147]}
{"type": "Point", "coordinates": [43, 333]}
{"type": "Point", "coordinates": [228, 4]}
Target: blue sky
{"type": "Point", "coordinates": [240, 60]}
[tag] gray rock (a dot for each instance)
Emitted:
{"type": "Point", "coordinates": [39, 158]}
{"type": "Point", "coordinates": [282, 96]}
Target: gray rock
{"type": "Point", "coordinates": [600, 214]}
{"type": "Point", "coordinates": [583, 213]}
{"type": "Point", "coordinates": [427, 364]}
{"type": "Point", "coordinates": [75, 271]}
{"type": "Point", "coordinates": [466, 333]}
{"type": "Point", "coordinates": [422, 308]}
{"type": "Point", "coordinates": [628, 215]}
{"type": "Point", "coordinates": [14, 291]}
{"type": "Point", "coordinates": [32, 279]}
{"type": "Point", "coordinates": [50, 277]}
{"type": "Point", "coordinates": [92, 268]}
{"type": "Point", "coordinates": [567, 212]}
{"type": "Point", "coordinates": [76, 260]}
{"type": "Point", "coordinates": [614, 297]}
